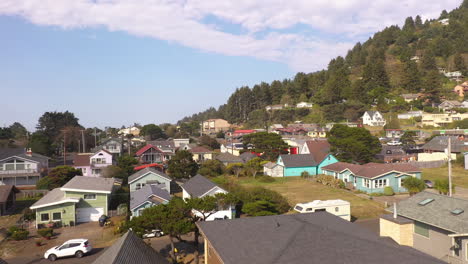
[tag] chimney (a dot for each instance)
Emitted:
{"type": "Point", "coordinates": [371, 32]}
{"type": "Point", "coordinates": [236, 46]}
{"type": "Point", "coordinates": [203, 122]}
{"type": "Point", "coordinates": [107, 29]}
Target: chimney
{"type": "Point", "coordinates": [29, 152]}
{"type": "Point", "coordinates": [394, 211]}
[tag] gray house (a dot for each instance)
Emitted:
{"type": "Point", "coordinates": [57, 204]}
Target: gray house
{"type": "Point", "coordinates": [432, 223]}
{"type": "Point", "coordinates": [146, 176]}
{"type": "Point", "coordinates": [21, 167]}
{"type": "Point", "coordinates": [148, 196]}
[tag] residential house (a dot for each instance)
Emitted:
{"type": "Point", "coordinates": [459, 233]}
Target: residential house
{"type": "Point", "coordinates": [201, 154]}
{"type": "Point", "coordinates": [437, 148]}
{"type": "Point", "coordinates": [461, 89]}
{"type": "Point", "coordinates": [320, 132]}
{"type": "Point", "coordinates": [295, 165]}
{"type": "Point", "coordinates": [409, 97]}
{"type": "Point", "coordinates": [21, 167]}
{"type": "Point", "coordinates": [199, 187]}
{"type": "Point", "coordinates": [449, 105]}
{"type": "Point", "coordinates": [441, 120]}
{"type": "Point", "coordinates": [373, 177]}
{"type": "Point", "coordinates": [274, 107]}
{"type": "Point", "coordinates": [148, 196]}
{"type": "Point", "coordinates": [453, 75]}
{"type": "Point", "coordinates": [444, 21]}
{"type": "Point", "coordinates": [291, 131]}
{"type": "Point", "coordinates": [246, 156]}
{"type": "Point", "coordinates": [82, 199]}
{"type": "Point", "coordinates": [151, 154]}
{"type": "Point", "coordinates": [304, 105]}
{"type": "Point", "coordinates": [415, 58]}
{"type": "Point", "coordinates": [7, 198]}
{"type": "Point", "coordinates": [233, 148]}
{"type": "Point", "coordinates": [241, 132]}
{"type": "Point", "coordinates": [373, 118]}
{"type": "Point", "coordinates": [134, 131]}
{"type": "Point", "coordinates": [395, 154]}
{"type": "Point", "coordinates": [394, 133]}
{"type": "Point", "coordinates": [273, 170]}
{"type": "Point", "coordinates": [300, 238]}
{"type": "Point", "coordinates": [180, 141]}
{"type": "Point", "coordinates": [212, 126]}
{"type": "Point", "coordinates": [432, 223]}
{"type": "Point", "coordinates": [130, 249]}
{"type": "Point", "coordinates": [111, 145]}
{"type": "Point", "coordinates": [148, 176]}
{"type": "Point", "coordinates": [92, 165]}
{"type": "Point", "coordinates": [168, 147]}
{"type": "Point", "coordinates": [410, 114]}
{"type": "Point", "coordinates": [273, 127]}
{"type": "Point", "coordinates": [228, 158]}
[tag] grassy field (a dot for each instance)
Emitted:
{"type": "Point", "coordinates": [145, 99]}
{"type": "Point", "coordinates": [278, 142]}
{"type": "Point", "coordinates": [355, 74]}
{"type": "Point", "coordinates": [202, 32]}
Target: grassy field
{"type": "Point", "coordinates": [297, 190]}
{"type": "Point", "coordinates": [459, 175]}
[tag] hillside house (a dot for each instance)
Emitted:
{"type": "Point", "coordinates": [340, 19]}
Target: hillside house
{"type": "Point", "coordinates": [21, 167]}
{"type": "Point", "coordinates": [213, 126]}
{"type": "Point", "coordinates": [410, 114]}
{"type": "Point", "coordinates": [441, 120]}
{"type": "Point", "coordinates": [274, 107]}
{"type": "Point", "coordinates": [461, 89]}
{"type": "Point", "coordinates": [111, 145]}
{"type": "Point", "coordinates": [92, 165]}
{"type": "Point", "coordinates": [134, 131]}
{"type": "Point", "coordinates": [304, 105]}
{"type": "Point", "coordinates": [449, 105]}
{"type": "Point", "coordinates": [409, 97]}
{"type": "Point", "coordinates": [373, 118]}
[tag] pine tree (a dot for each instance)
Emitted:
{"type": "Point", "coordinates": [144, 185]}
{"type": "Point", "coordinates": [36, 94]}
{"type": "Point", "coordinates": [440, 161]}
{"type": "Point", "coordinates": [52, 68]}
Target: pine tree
{"type": "Point", "coordinates": [428, 62]}
{"type": "Point", "coordinates": [411, 79]}
{"type": "Point", "coordinates": [432, 85]}
{"type": "Point", "coordinates": [459, 63]}
{"type": "Point", "coordinates": [409, 24]}
{"type": "Point", "coordinates": [418, 22]}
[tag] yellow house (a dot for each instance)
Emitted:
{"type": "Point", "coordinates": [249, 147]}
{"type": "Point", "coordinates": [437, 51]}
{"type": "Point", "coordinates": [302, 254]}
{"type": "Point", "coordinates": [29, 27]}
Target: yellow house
{"type": "Point", "coordinates": [438, 120]}
{"type": "Point", "coordinates": [215, 125]}
{"type": "Point", "coordinates": [320, 133]}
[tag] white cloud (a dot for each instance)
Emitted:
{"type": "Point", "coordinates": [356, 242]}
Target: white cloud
{"type": "Point", "coordinates": [180, 21]}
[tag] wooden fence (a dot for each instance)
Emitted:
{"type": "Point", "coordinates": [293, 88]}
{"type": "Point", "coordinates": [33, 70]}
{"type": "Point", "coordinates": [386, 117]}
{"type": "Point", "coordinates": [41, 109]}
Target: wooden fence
{"type": "Point", "coordinates": [428, 164]}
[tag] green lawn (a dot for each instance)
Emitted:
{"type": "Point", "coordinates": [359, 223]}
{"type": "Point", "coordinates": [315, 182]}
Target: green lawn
{"type": "Point", "coordinates": [298, 190]}
{"type": "Point", "coordinates": [459, 175]}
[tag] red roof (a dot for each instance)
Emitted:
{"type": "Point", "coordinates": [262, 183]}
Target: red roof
{"type": "Point", "coordinates": [319, 149]}
{"type": "Point", "coordinates": [245, 131]}
{"type": "Point", "coordinates": [81, 160]}
{"type": "Point", "coordinates": [146, 148]}
{"type": "Point", "coordinates": [148, 165]}
{"type": "Point", "coordinates": [371, 170]}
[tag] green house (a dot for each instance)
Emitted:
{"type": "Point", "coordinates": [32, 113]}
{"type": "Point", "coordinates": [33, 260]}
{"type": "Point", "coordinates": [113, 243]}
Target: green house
{"type": "Point", "coordinates": [82, 199]}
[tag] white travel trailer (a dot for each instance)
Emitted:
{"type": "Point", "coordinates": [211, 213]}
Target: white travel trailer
{"type": "Point", "coordinates": [337, 207]}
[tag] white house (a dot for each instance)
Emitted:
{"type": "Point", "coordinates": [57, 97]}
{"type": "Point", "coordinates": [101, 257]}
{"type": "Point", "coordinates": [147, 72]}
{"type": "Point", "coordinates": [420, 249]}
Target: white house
{"type": "Point", "coordinates": [304, 105]}
{"type": "Point", "coordinates": [112, 145]}
{"type": "Point", "coordinates": [91, 165]}
{"type": "Point", "coordinates": [410, 114]}
{"type": "Point", "coordinates": [273, 169]}
{"type": "Point", "coordinates": [199, 186]}
{"type": "Point", "coordinates": [373, 118]}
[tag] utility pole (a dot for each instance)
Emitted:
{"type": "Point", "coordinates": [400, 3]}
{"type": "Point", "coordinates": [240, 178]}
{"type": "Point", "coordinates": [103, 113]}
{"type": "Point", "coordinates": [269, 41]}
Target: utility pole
{"type": "Point", "coordinates": [64, 147]}
{"type": "Point", "coordinates": [83, 141]}
{"type": "Point", "coordinates": [449, 152]}
{"type": "Point", "coordinates": [95, 135]}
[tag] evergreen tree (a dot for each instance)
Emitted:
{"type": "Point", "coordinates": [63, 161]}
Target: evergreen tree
{"type": "Point", "coordinates": [459, 63]}
{"type": "Point", "coordinates": [428, 62]}
{"type": "Point", "coordinates": [409, 24]}
{"type": "Point", "coordinates": [432, 85]}
{"type": "Point", "coordinates": [411, 79]}
{"type": "Point", "coordinates": [418, 22]}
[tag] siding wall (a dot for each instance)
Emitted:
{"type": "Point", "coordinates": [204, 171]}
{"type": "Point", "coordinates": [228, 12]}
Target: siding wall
{"type": "Point", "coordinates": [437, 244]}
{"type": "Point", "coordinates": [330, 159]}
{"type": "Point", "coordinates": [151, 177]}
{"type": "Point", "coordinates": [211, 256]}
{"type": "Point", "coordinates": [102, 200]}
{"type": "Point", "coordinates": [67, 216]}
{"type": "Point", "coordinates": [296, 171]}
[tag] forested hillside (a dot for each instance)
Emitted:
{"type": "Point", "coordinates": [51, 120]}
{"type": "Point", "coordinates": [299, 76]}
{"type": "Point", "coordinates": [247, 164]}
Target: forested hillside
{"type": "Point", "coordinates": [373, 74]}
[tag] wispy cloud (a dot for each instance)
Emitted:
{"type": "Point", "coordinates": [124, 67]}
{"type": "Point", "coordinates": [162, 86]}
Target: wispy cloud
{"type": "Point", "coordinates": [265, 23]}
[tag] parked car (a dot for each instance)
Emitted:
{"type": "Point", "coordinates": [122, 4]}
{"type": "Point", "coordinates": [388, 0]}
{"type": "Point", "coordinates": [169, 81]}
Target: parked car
{"type": "Point", "coordinates": [429, 184]}
{"type": "Point", "coordinates": [73, 247]}
{"type": "Point", "coordinates": [394, 143]}
{"type": "Point", "coordinates": [103, 219]}
{"type": "Point", "coordinates": [154, 233]}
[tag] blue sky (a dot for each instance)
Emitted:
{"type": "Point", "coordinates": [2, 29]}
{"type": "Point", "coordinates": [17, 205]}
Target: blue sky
{"type": "Point", "coordinates": [173, 58]}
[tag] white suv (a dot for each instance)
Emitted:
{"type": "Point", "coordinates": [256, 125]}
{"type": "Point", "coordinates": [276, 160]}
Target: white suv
{"type": "Point", "coordinates": [74, 247]}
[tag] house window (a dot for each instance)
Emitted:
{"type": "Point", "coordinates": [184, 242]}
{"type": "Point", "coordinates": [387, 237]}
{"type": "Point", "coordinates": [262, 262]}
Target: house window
{"type": "Point", "coordinates": [337, 209]}
{"type": "Point", "coordinates": [44, 217]}
{"type": "Point", "coordinates": [380, 183]}
{"type": "Point", "coordinates": [139, 186]}
{"type": "Point", "coordinates": [421, 229]}
{"type": "Point", "coordinates": [96, 171]}
{"type": "Point", "coordinates": [91, 196]}
{"type": "Point", "coordinates": [366, 183]}
{"type": "Point", "coordinates": [140, 212]}
{"type": "Point", "coordinates": [57, 216]}
{"type": "Point", "coordinates": [83, 171]}
{"type": "Point", "coordinates": [401, 181]}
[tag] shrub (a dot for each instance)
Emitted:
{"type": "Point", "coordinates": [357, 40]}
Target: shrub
{"type": "Point", "coordinates": [244, 196]}
{"type": "Point", "coordinates": [17, 233]}
{"type": "Point", "coordinates": [305, 175]}
{"type": "Point", "coordinates": [330, 181]}
{"type": "Point", "coordinates": [260, 208]}
{"type": "Point", "coordinates": [266, 179]}
{"type": "Point", "coordinates": [45, 232]}
{"type": "Point", "coordinates": [413, 185]}
{"type": "Point", "coordinates": [29, 215]}
{"type": "Point", "coordinates": [442, 185]}
{"type": "Point", "coordinates": [388, 191]}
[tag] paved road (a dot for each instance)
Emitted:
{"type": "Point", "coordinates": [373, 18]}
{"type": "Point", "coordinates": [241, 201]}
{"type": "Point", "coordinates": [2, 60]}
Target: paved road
{"type": "Point", "coordinates": [88, 259]}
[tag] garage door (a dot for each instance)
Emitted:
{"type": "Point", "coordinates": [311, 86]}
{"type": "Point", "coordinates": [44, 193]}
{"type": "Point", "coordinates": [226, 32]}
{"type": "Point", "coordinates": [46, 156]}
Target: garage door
{"type": "Point", "coordinates": [88, 214]}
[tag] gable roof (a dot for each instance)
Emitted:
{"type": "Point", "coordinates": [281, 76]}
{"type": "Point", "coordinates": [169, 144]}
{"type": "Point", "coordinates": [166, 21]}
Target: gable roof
{"type": "Point", "coordinates": [146, 148]}
{"type": "Point", "coordinates": [144, 171]}
{"type": "Point", "coordinates": [21, 153]}
{"type": "Point", "coordinates": [130, 249]}
{"type": "Point", "coordinates": [270, 165]}
{"type": "Point", "coordinates": [303, 238]}
{"type": "Point", "coordinates": [90, 184]}
{"type": "Point", "coordinates": [198, 185]}
{"type": "Point", "coordinates": [440, 143]}
{"type": "Point", "coordinates": [199, 149]}
{"type": "Point", "coordinates": [298, 160]}
{"type": "Point", "coordinates": [162, 143]}
{"type": "Point", "coordinates": [246, 156]}
{"type": "Point", "coordinates": [436, 213]}
{"type": "Point", "coordinates": [371, 113]}
{"type": "Point", "coordinates": [82, 160]}
{"type": "Point", "coordinates": [228, 157]}
{"type": "Point", "coordinates": [56, 196]}
{"type": "Point", "coordinates": [144, 194]}
{"type": "Point", "coordinates": [319, 149]}
{"type": "Point", "coordinates": [371, 170]}
{"type": "Point", "coordinates": [5, 191]}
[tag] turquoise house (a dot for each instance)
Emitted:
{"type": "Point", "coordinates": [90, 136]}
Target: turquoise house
{"type": "Point", "coordinates": [148, 196]}
{"type": "Point", "coordinates": [294, 165]}
{"type": "Point", "coordinates": [373, 177]}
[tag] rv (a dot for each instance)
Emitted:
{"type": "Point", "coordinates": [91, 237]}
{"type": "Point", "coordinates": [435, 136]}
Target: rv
{"type": "Point", "coordinates": [337, 207]}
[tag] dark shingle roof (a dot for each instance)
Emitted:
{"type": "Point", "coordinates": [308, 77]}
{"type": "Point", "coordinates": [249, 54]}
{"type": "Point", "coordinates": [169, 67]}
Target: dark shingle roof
{"type": "Point", "coordinates": [21, 152]}
{"type": "Point", "coordinates": [246, 156]}
{"type": "Point", "coordinates": [228, 157]}
{"type": "Point", "coordinates": [5, 191]}
{"type": "Point", "coordinates": [299, 160]}
{"type": "Point", "coordinates": [142, 172]}
{"type": "Point", "coordinates": [440, 143]}
{"type": "Point", "coordinates": [198, 185]}
{"type": "Point", "coordinates": [303, 238]}
{"type": "Point", "coordinates": [436, 213]}
{"type": "Point", "coordinates": [144, 194]}
{"type": "Point", "coordinates": [3, 261]}
{"type": "Point", "coordinates": [130, 249]}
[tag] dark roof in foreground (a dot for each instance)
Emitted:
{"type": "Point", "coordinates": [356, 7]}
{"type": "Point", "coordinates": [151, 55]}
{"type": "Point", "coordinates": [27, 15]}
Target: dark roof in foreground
{"type": "Point", "coordinates": [5, 191]}
{"type": "Point", "coordinates": [436, 213]}
{"type": "Point", "coordinates": [144, 194]}
{"type": "Point", "coordinates": [130, 249]}
{"type": "Point", "coordinates": [298, 160]}
{"type": "Point", "coordinates": [198, 185]}
{"type": "Point", "coordinates": [3, 261]}
{"type": "Point", "coordinates": [303, 238]}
